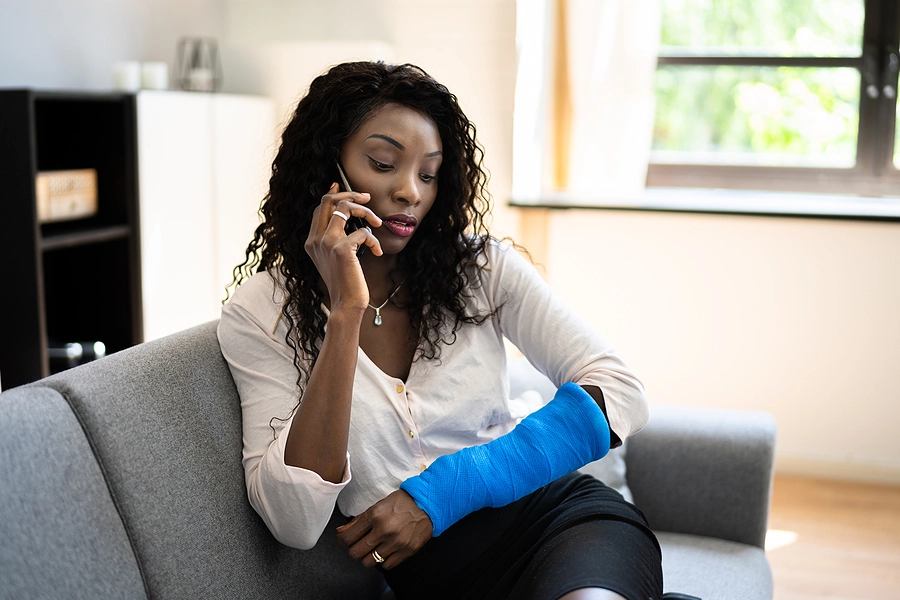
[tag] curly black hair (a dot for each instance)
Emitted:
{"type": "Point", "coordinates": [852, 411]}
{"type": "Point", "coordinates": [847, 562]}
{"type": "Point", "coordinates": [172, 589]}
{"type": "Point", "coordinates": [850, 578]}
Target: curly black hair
{"type": "Point", "coordinates": [442, 259]}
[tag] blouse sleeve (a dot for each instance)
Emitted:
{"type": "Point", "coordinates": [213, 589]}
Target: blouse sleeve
{"type": "Point", "coordinates": [296, 504]}
{"type": "Point", "coordinates": [558, 342]}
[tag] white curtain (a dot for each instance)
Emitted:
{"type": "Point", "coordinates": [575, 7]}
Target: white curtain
{"type": "Point", "coordinates": [608, 49]}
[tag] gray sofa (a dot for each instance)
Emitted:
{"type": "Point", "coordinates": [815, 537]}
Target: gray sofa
{"type": "Point", "coordinates": [122, 479]}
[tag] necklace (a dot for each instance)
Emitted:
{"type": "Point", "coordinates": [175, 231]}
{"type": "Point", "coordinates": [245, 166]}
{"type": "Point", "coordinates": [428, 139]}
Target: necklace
{"type": "Point", "coordinates": [377, 309]}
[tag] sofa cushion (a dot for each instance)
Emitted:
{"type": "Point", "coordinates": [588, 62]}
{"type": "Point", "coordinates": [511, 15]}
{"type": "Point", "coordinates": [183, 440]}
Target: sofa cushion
{"type": "Point", "coordinates": [61, 534]}
{"type": "Point", "coordinates": [711, 568]}
{"type": "Point", "coordinates": [165, 420]}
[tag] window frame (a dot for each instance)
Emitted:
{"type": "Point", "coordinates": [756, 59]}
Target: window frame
{"type": "Point", "coordinates": [874, 173]}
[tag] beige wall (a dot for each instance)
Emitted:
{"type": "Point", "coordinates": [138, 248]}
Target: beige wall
{"type": "Point", "coordinates": [799, 317]}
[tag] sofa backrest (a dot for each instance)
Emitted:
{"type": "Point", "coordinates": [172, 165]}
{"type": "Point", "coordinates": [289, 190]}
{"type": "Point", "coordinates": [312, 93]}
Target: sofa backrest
{"type": "Point", "coordinates": [60, 534]}
{"type": "Point", "coordinates": [163, 419]}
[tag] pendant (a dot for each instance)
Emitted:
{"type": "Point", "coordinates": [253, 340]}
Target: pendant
{"type": "Point", "coordinates": [377, 309]}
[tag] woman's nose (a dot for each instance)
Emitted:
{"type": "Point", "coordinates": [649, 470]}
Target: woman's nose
{"type": "Point", "coordinates": [407, 189]}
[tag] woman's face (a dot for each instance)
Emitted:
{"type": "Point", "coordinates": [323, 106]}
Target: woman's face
{"type": "Point", "coordinates": [395, 156]}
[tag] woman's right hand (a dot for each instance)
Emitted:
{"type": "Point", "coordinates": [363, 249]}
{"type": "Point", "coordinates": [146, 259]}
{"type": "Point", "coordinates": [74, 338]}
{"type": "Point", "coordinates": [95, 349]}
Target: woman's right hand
{"type": "Point", "coordinates": [319, 432]}
{"type": "Point", "coordinates": [334, 252]}
{"type": "Point", "coordinates": [395, 527]}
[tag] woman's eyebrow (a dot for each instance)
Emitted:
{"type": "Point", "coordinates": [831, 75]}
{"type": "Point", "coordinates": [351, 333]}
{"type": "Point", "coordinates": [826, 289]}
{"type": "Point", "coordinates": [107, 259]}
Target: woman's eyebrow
{"type": "Point", "coordinates": [400, 146]}
{"type": "Point", "coordinates": [388, 139]}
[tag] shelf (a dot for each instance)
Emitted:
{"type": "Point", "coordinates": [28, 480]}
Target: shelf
{"type": "Point", "coordinates": [89, 236]}
{"type": "Point", "coordinates": [76, 280]}
{"type": "Point", "coordinates": [84, 299]}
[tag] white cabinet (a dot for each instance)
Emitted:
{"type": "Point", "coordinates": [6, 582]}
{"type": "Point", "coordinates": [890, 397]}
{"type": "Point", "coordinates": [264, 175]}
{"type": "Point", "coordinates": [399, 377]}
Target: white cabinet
{"type": "Point", "coordinates": [203, 168]}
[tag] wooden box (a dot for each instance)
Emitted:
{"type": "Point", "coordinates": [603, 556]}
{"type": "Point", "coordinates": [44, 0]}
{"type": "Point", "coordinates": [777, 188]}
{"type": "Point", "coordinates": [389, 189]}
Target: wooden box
{"type": "Point", "coordinates": [66, 195]}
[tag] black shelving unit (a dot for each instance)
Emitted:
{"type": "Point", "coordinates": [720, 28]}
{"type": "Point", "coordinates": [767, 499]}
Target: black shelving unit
{"type": "Point", "coordinates": [76, 280]}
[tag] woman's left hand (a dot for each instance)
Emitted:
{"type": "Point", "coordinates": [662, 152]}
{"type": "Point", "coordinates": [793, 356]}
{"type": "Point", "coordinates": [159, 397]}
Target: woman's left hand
{"type": "Point", "coordinates": [395, 528]}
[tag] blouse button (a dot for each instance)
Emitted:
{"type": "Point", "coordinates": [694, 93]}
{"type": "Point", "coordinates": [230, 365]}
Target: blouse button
{"type": "Point", "coordinates": [399, 388]}
{"type": "Point", "coordinates": [411, 434]}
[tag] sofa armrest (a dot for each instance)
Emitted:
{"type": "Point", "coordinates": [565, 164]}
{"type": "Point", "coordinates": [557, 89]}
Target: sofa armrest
{"type": "Point", "coordinates": [704, 471]}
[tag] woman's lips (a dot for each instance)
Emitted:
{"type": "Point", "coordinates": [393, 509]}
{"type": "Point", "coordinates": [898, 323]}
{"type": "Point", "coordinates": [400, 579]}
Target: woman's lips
{"type": "Point", "coordinates": [400, 225]}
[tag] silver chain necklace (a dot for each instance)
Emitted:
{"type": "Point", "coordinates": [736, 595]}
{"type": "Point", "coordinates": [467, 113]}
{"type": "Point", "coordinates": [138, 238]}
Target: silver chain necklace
{"type": "Point", "coordinates": [377, 309]}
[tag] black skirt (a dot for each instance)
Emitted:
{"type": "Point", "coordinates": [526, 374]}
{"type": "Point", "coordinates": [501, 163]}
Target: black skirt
{"type": "Point", "coordinates": [573, 533]}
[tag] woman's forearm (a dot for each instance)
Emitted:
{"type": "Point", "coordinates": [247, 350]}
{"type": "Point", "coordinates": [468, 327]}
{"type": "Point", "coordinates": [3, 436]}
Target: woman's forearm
{"type": "Point", "coordinates": [317, 439]}
{"type": "Point", "coordinates": [597, 394]}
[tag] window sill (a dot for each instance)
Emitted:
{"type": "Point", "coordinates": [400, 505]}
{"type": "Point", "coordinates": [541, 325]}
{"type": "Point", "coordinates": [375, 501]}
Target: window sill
{"type": "Point", "coordinates": [732, 202]}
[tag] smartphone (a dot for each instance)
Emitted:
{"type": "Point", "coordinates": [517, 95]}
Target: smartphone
{"type": "Point", "coordinates": [353, 223]}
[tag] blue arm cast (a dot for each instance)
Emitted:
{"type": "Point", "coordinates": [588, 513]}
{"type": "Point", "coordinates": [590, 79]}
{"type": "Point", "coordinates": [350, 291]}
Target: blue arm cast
{"type": "Point", "coordinates": [566, 434]}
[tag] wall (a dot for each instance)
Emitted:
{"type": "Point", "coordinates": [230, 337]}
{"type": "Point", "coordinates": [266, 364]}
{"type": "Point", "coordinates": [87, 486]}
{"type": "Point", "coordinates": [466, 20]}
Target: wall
{"type": "Point", "coordinates": [798, 317]}
{"type": "Point", "coordinates": [62, 44]}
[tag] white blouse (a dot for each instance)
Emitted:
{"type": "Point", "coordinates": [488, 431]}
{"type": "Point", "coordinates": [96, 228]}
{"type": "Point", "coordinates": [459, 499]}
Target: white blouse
{"type": "Point", "coordinates": [397, 428]}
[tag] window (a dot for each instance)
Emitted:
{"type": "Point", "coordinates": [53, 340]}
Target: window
{"type": "Point", "coordinates": [796, 95]}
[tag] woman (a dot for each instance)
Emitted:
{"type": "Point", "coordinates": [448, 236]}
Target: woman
{"type": "Point", "coordinates": [403, 321]}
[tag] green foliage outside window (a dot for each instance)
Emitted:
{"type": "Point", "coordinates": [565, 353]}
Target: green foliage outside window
{"type": "Point", "coordinates": [759, 115]}
{"type": "Point", "coordinates": [775, 116]}
{"type": "Point", "coordinates": [897, 138]}
{"type": "Point", "coordinates": [764, 27]}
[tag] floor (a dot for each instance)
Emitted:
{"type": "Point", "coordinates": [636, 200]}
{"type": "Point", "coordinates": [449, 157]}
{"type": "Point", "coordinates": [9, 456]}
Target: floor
{"type": "Point", "coordinates": [834, 539]}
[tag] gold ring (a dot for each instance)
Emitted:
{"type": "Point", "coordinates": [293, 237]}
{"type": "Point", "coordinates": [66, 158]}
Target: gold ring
{"type": "Point", "coordinates": [377, 557]}
{"type": "Point", "coordinates": [340, 214]}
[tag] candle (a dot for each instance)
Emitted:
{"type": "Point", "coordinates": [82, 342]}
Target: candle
{"type": "Point", "coordinates": [154, 76]}
{"type": "Point", "coordinates": [201, 79]}
{"type": "Point", "coordinates": [127, 76]}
